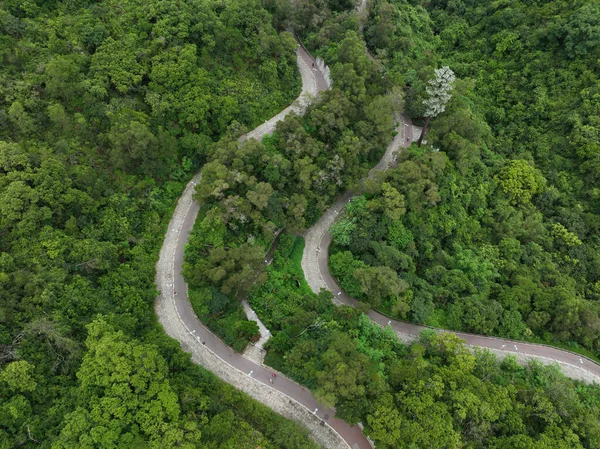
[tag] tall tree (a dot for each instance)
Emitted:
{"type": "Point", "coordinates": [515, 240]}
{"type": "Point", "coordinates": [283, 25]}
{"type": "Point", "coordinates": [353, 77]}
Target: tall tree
{"type": "Point", "coordinates": [125, 397]}
{"type": "Point", "coordinates": [439, 95]}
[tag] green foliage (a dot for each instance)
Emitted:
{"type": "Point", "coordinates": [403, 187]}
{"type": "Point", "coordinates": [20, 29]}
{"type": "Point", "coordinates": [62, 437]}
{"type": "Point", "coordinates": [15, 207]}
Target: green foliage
{"type": "Point", "coordinates": [232, 270]}
{"type": "Point", "coordinates": [434, 393]}
{"type": "Point", "coordinates": [494, 225]}
{"type": "Point", "coordinates": [564, 236]}
{"type": "Point", "coordinates": [341, 230]}
{"type": "Point", "coordinates": [519, 181]}
{"type": "Point", "coordinates": [17, 387]}
{"type": "Point", "coordinates": [251, 190]}
{"type": "Point", "coordinates": [379, 283]}
{"type": "Point", "coordinates": [125, 397]}
{"type": "Point", "coordinates": [357, 205]}
{"type": "Point", "coordinates": [106, 110]}
{"type": "Point", "coordinates": [583, 31]}
{"type": "Point", "coordinates": [398, 235]}
{"type": "Point", "coordinates": [343, 266]}
{"type": "Point", "coordinates": [224, 316]}
{"type": "Point", "coordinates": [18, 376]}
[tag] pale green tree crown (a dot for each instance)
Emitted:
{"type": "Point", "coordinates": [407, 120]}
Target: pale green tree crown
{"type": "Point", "coordinates": [439, 91]}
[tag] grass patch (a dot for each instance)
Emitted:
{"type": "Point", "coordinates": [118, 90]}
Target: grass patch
{"type": "Point", "coordinates": [437, 319]}
{"type": "Point", "coordinates": [229, 324]}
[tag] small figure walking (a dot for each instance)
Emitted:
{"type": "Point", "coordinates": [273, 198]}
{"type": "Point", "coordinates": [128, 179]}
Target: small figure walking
{"type": "Point", "coordinates": [313, 65]}
{"type": "Point", "coordinates": [271, 380]}
{"type": "Point", "coordinates": [273, 375]}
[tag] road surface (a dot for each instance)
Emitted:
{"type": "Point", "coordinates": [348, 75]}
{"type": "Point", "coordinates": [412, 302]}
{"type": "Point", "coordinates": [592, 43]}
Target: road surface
{"type": "Point", "coordinates": [316, 270]}
{"type": "Point", "coordinates": [178, 318]}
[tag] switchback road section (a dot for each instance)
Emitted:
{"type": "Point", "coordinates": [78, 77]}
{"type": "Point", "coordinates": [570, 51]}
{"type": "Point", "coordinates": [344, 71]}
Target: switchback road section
{"type": "Point", "coordinates": [316, 271]}
{"type": "Point", "coordinates": [176, 315]}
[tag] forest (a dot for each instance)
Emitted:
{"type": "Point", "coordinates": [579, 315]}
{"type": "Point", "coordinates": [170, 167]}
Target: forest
{"type": "Point", "coordinates": [459, 235]}
{"type": "Point", "coordinates": [432, 393]}
{"type": "Point", "coordinates": [107, 109]}
{"type": "Point", "coordinates": [491, 226]}
{"type": "Point", "coordinates": [250, 191]}
{"type": "Point", "coordinates": [497, 232]}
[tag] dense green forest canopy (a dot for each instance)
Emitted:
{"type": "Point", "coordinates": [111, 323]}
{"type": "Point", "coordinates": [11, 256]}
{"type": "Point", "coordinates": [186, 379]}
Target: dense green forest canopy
{"type": "Point", "coordinates": [106, 108]}
{"type": "Point", "coordinates": [433, 393]}
{"type": "Point", "coordinates": [498, 233]}
{"type": "Point", "coordinates": [248, 191]}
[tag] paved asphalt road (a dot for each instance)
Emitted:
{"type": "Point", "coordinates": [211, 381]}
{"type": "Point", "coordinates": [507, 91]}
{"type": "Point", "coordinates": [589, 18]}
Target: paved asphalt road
{"type": "Point", "coordinates": [517, 347]}
{"type": "Point", "coordinates": [352, 434]}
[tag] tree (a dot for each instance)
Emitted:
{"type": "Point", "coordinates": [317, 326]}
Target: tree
{"type": "Point", "coordinates": [378, 283]}
{"type": "Point", "coordinates": [384, 27]}
{"type": "Point", "coordinates": [19, 376]}
{"type": "Point", "coordinates": [392, 202]}
{"type": "Point", "coordinates": [346, 374]}
{"type": "Point", "coordinates": [583, 31]}
{"type": "Point", "coordinates": [125, 397]}
{"type": "Point", "coordinates": [21, 118]}
{"type": "Point", "coordinates": [135, 146]}
{"type": "Point", "coordinates": [439, 95]}
{"type": "Point", "coordinates": [341, 231]}
{"type": "Point", "coordinates": [520, 181]}
{"type": "Point", "coordinates": [115, 63]}
{"type": "Point", "coordinates": [249, 330]}
{"type": "Point", "coordinates": [17, 383]}
{"type": "Point", "coordinates": [62, 77]}
{"type": "Point", "coordinates": [232, 270]}
{"type": "Point", "coordinates": [58, 117]}
{"type": "Point", "coordinates": [347, 80]}
{"type": "Point", "coordinates": [384, 422]}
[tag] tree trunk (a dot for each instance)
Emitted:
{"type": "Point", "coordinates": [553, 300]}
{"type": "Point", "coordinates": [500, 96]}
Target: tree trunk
{"type": "Point", "coordinates": [422, 136]}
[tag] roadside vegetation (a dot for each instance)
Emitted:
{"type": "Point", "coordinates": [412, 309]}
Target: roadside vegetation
{"type": "Point", "coordinates": [496, 222]}
{"type": "Point", "coordinates": [432, 393]}
{"type": "Point", "coordinates": [106, 110]}
{"type": "Point", "coordinates": [461, 235]}
{"type": "Point", "coordinates": [250, 190]}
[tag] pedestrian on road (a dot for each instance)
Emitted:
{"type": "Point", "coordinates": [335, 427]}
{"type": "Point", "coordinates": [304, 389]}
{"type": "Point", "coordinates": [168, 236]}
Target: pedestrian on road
{"type": "Point", "coordinates": [271, 380]}
{"type": "Point", "coordinates": [273, 375]}
{"type": "Point", "coordinates": [313, 65]}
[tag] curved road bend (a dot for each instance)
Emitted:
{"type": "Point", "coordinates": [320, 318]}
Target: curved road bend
{"type": "Point", "coordinates": [313, 82]}
{"type": "Point", "coordinates": [573, 365]}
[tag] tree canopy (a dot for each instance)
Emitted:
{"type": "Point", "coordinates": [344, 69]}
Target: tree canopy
{"type": "Point", "coordinates": [106, 110]}
{"type": "Point", "coordinates": [498, 232]}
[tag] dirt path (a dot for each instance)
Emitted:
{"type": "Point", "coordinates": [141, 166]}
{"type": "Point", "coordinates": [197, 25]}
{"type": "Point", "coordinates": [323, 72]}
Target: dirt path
{"type": "Point", "coordinates": [316, 270]}
{"type": "Point", "coordinates": [179, 320]}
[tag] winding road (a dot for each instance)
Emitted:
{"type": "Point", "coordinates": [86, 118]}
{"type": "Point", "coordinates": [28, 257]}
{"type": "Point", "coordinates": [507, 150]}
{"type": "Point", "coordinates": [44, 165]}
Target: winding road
{"type": "Point", "coordinates": [176, 315]}
{"type": "Point", "coordinates": [316, 270]}
{"type": "Point", "coordinates": [283, 395]}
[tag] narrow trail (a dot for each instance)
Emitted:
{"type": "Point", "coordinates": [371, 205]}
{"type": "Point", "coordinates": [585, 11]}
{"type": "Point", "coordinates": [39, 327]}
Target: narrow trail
{"type": "Point", "coordinates": [316, 270]}
{"type": "Point", "coordinates": [265, 333]}
{"type": "Point", "coordinates": [176, 315]}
